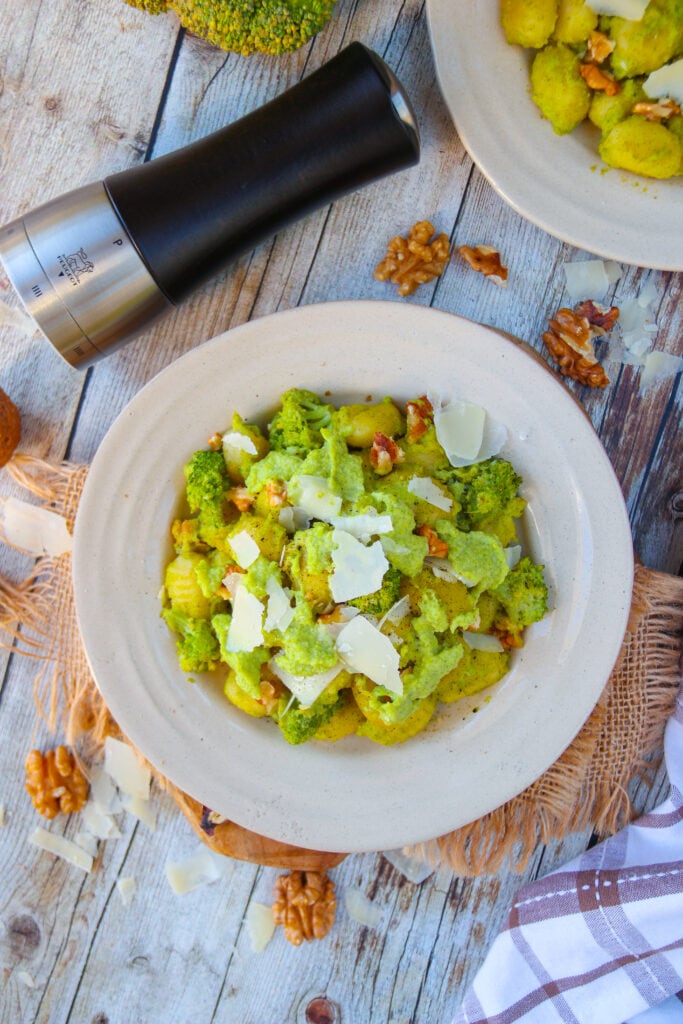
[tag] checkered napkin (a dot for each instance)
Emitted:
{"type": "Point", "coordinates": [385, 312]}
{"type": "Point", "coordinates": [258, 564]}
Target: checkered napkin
{"type": "Point", "coordinates": [599, 941]}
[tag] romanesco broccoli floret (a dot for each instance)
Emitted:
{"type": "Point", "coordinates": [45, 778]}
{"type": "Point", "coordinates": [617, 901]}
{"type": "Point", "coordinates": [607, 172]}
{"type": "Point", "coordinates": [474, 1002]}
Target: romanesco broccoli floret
{"type": "Point", "coordinates": [299, 724]}
{"type": "Point", "coordinates": [247, 26]}
{"type": "Point", "coordinates": [486, 491]}
{"type": "Point", "coordinates": [523, 596]}
{"type": "Point", "coordinates": [296, 426]}
{"type": "Point", "coordinates": [207, 481]}
{"type": "Point", "coordinates": [380, 601]}
{"type": "Point", "coordinates": [198, 649]}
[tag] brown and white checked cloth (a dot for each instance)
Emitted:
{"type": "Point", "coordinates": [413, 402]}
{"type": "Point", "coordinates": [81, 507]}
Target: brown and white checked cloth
{"type": "Point", "coordinates": [599, 941]}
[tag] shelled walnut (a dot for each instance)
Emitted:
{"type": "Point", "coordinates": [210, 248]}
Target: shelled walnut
{"type": "Point", "coordinates": [304, 905]}
{"type": "Point", "coordinates": [54, 782]}
{"type": "Point", "coordinates": [570, 341]}
{"type": "Point", "coordinates": [487, 260]}
{"type": "Point", "coordinates": [415, 260]}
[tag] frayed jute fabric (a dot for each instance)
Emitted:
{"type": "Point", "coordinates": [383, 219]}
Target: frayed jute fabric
{"type": "Point", "coordinates": [587, 787]}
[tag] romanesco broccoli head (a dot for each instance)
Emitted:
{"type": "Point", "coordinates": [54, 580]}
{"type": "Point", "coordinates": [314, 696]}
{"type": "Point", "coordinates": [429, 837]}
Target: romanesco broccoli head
{"type": "Point", "coordinates": [296, 426]}
{"type": "Point", "coordinates": [198, 649]}
{"type": "Point", "coordinates": [523, 595]}
{"type": "Point", "coordinates": [247, 26]}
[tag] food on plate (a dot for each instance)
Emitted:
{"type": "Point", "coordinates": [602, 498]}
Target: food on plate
{"type": "Point", "coordinates": [569, 340]}
{"type": "Point", "coordinates": [487, 260]}
{"type": "Point", "coordinates": [54, 782]}
{"type": "Point", "coordinates": [415, 260]}
{"type": "Point", "coordinates": [246, 26]}
{"type": "Point", "coordinates": [615, 63]}
{"type": "Point", "coordinates": [349, 568]}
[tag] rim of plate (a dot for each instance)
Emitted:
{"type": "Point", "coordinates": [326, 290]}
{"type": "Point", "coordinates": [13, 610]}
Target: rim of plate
{"type": "Point", "coordinates": [557, 182]}
{"type": "Point", "coordinates": [352, 795]}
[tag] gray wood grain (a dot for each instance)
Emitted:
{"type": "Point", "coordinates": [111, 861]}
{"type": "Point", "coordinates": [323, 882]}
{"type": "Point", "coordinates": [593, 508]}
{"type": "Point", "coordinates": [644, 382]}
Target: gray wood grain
{"type": "Point", "coordinates": [89, 89]}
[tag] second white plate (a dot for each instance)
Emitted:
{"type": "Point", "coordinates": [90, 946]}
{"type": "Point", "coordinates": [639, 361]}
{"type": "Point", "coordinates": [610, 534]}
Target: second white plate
{"type": "Point", "coordinates": [558, 183]}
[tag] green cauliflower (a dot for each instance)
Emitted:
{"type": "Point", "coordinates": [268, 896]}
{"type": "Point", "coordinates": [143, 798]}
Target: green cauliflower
{"type": "Point", "coordinates": [295, 427]}
{"type": "Point", "coordinates": [197, 644]}
{"type": "Point", "coordinates": [247, 26]}
{"type": "Point", "coordinates": [523, 597]}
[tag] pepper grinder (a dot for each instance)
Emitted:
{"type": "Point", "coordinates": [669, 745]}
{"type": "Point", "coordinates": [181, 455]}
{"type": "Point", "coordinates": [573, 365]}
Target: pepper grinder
{"type": "Point", "coordinates": [96, 266]}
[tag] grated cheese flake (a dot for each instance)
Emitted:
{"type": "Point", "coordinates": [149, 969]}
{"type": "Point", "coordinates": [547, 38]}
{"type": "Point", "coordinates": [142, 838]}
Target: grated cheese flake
{"type": "Point", "coordinates": [483, 642]}
{"type": "Point", "coordinates": [630, 10]}
{"type": "Point", "coordinates": [460, 428]}
{"type": "Point", "coordinates": [586, 279]}
{"type": "Point", "coordinates": [313, 495]}
{"type": "Point", "coordinates": [260, 925]}
{"type": "Point", "coordinates": [124, 767]}
{"type": "Point", "coordinates": [363, 648]}
{"type": "Point", "coordinates": [357, 569]}
{"type": "Point", "coordinates": [61, 847]}
{"type": "Point", "coordinates": [195, 871]}
{"type": "Point", "coordinates": [236, 441]}
{"type": "Point", "coordinates": [245, 632]}
{"type": "Point", "coordinates": [280, 612]}
{"type": "Point", "coordinates": [306, 689]}
{"type": "Point", "coordinates": [126, 887]}
{"type": "Point", "coordinates": [244, 548]}
{"type": "Point", "coordinates": [425, 488]}
{"type": "Point", "coordinates": [33, 529]}
{"type": "Point", "coordinates": [140, 809]}
{"type": "Point", "coordinates": [666, 82]}
{"type": "Point", "coordinates": [360, 907]}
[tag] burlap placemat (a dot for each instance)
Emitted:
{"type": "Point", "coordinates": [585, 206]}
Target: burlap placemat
{"type": "Point", "coordinates": [586, 787]}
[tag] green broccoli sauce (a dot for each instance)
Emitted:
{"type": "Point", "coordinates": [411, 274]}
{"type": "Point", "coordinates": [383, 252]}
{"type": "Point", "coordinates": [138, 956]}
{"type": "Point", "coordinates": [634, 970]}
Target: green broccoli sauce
{"type": "Point", "coordinates": [424, 556]}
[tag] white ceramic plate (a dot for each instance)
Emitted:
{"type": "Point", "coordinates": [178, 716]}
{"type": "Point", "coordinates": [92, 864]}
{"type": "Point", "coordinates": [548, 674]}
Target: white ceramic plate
{"type": "Point", "coordinates": [353, 795]}
{"type": "Point", "coordinates": [559, 183]}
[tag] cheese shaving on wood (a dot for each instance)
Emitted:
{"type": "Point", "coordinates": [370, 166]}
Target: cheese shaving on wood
{"type": "Point", "coordinates": [33, 529]}
{"type": "Point", "coordinates": [61, 847]}
{"type": "Point", "coordinates": [260, 925]}
{"type": "Point", "coordinates": [192, 873]}
{"type": "Point", "coordinates": [124, 767]}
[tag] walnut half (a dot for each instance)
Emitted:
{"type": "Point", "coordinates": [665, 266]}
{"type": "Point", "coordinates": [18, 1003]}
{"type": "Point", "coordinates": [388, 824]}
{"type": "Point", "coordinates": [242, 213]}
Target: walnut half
{"type": "Point", "coordinates": [415, 260]}
{"type": "Point", "coordinates": [304, 905]}
{"type": "Point", "coordinates": [54, 782]}
{"type": "Point", "coordinates": [570, 341]}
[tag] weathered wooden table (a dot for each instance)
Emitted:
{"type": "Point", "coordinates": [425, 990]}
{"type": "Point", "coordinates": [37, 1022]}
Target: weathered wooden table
{"type": "Point", "coordinates": [87, 89]}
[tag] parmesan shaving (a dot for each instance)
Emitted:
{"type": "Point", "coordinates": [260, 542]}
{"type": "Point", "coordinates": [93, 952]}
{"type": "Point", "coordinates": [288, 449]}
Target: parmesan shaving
{"type": "Point", "coordinates": [280, 612]}
{"type": "Point", "coordinates": [657, 367]}
{"type": "Point", "coordinates": [415, 870]}
{"type": "Point", "coordinates": [99, 824]}
{"type": "Point", "coordinates": [140, 809]}
{"type": "Point", "coordinates": [586, 279]}
{"type": "Point", "coordinates": [306, 689]}
{"type": "Point", "coordinates": [630, 10]}
{"type": "Point", "coordinates": [33, 529]}
{"type": "Point", "coordinates": [126, 887]}
{"type": "Point", "coordinates": [364, 649]}
{"type": "Point", "coordinates": [666, 82]}
{"type": "Point", "coordinates": [88, 842]}
{"type": "Point", "coordinates": [313, 495]}
{"type": "Point", "coordinates": [260, 925]}
{"type": "Point", "coordinates": [363, 526]}
{"type": "Point", "coordinates": [245, 632]}
{"type": "Point", "coordinates": [425, 488]}
{"type": "Point", "coordinates": [61, 847]}
{"type": "Point", "coordinates": [360, 908]}
{"type": "Point", "coordinates": [122, 764]}
{"type": "Point", "coordinates": [357, 569]}
{"type": "Point", "coordinates": [233, 440]}
{"type": "Point", "coordinates": [192, 873]}
{"type": "Point", "coordinates": [245, 548]}
{"type": "Point", "coordinates": [460, 428]}
{"type": "Point", "coordinates": [483, 642]}
{"type": "Point", "coordinates": [103, 792]}
{"type": "Point", "coordinates": [513, 555]}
